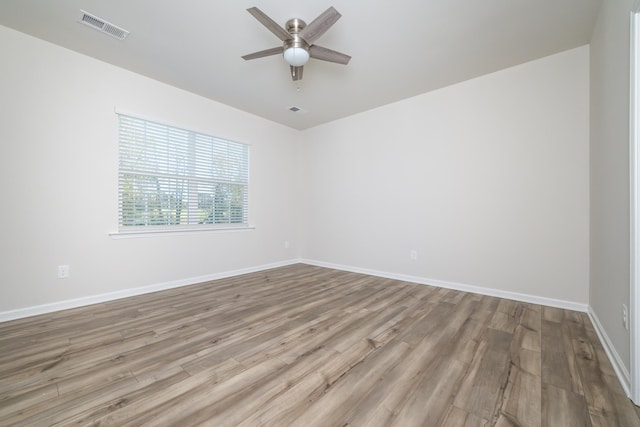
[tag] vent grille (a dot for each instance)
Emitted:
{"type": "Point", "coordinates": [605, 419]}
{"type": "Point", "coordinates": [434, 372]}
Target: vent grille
{"type": "Point", "coordinates": [103, 26]}
{"type": "Point", "coordinates": [297, 110]}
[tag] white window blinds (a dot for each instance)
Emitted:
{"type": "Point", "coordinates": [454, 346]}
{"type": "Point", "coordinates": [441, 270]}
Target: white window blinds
{"type": "Point", "coordinates": [175, 178]}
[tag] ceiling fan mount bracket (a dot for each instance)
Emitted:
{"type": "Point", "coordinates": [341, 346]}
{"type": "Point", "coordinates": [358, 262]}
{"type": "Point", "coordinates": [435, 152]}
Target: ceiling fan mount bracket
{"type": "Point", "coordinates": [295, 25]}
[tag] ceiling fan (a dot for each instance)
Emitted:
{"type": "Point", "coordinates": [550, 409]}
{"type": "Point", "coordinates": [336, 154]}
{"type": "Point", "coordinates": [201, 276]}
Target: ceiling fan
{"type": "Point", "coordinates": [298, 40]}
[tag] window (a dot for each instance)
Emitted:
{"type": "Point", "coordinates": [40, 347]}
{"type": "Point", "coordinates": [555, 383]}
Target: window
{"type": "Point", "coordinates": [172, 178]}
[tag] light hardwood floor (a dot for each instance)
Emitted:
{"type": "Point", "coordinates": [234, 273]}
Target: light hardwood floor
{"type": "Point", "coordinates": [309, 346]}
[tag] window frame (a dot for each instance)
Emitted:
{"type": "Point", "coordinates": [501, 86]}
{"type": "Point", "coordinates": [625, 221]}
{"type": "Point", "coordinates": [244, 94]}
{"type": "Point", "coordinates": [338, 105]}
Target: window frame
{"type": "Point", "coordinates": [147, 230]}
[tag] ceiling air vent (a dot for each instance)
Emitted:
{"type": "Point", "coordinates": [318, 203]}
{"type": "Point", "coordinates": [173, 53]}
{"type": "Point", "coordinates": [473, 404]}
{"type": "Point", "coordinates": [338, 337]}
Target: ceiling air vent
{"type": "Point", "coordinates": [297, 110]}
{"type": "Point", "coordinates": [103, 26]}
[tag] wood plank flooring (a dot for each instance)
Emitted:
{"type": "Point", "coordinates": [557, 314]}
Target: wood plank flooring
{"type": "Point", "coordinates": [309, 346]}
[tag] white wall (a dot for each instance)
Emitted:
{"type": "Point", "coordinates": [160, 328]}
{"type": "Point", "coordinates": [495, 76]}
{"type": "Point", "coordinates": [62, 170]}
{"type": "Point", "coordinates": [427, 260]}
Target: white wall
{"type": "Point", "coordinates": [609, 230]}
{"type": "Point", "coordinates": [58, 168]}
{"type": "Point", "coordinates": [487, 180]}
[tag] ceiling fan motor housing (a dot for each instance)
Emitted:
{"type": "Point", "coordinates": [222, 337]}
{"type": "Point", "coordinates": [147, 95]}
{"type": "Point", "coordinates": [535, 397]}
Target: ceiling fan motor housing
{"type": "Point", "coordinates": [294, 26]}
{"type": "Point", "coordinates": [295, 49]}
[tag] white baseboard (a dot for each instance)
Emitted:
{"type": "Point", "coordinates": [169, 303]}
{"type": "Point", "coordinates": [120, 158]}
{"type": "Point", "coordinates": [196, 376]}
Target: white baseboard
{"type": "Point", "coordinates": [533, 299]}
{"type": "Point", "coordinates": [614, 357]}
{"type": "Point", "coordinates": [95, 299]}
{"type": "Point", "coordinates": [110, 296]}
{"type": "Point", "coordinates": [612, 354]}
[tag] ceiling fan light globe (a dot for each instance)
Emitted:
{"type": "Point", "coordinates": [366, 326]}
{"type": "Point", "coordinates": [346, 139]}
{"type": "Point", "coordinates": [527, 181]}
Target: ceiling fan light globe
{"type": "Point", "coordinates": [296, 56]}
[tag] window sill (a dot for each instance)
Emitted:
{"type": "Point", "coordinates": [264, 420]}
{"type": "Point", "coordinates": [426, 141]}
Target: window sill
{"type": "Point", "coordinates": [136, 234]}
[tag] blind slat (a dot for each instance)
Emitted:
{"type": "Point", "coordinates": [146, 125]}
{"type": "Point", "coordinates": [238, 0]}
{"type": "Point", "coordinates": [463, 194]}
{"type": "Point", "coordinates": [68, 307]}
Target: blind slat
{"type": "Point", "coordinates": [170, 176]}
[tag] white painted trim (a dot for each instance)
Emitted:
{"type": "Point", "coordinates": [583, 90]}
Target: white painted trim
{"type": "Point", "coordinates": [612, 354]}
{"type": "Point", "coordinates": [614, 357]}
{"type": "Point", "coordinates": [96, 299]}
{"type": "Point", "coordinates": [634, 184]}
{"type": "Point", "coordinates": [175, 232]}
{"type": "Point", "coordinates": [532, 299]}
{"type": "Point", "coordinates": [110, 296]}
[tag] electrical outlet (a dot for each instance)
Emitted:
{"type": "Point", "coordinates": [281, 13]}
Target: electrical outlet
{"type": "Point", "coordinates": [625, 317]}
{"type": "Point", "coordinates": [286, 244]}
{"type": "Point", "coordinates": [63, 271]}
{"type": "Point", "coordinates": [413, 254]}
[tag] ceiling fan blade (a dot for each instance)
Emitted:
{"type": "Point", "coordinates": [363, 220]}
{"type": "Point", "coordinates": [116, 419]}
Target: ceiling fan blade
{"type": "Point", "coordinates": [296, 73]}
{"type": "Point", "coordinates": [320, 25]}
{"type": "Point", "coordinates": [324, 54]}
{"type": "Point", "coordinates": [271, 25]}
{"type": "Point", "coordinates": [263, 53]}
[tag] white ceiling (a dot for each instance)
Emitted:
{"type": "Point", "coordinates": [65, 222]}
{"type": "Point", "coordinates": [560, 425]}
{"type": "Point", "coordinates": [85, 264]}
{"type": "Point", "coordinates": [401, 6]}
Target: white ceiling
{"type": "Point", "coordinates": [399, 48]}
